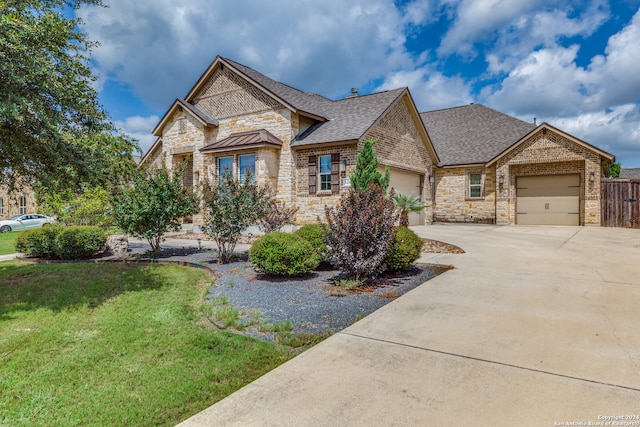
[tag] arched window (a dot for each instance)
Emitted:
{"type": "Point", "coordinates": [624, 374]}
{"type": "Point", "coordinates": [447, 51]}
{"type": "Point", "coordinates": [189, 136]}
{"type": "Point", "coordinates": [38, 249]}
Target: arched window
{"type": "Point", "coordinates": [23, 205]}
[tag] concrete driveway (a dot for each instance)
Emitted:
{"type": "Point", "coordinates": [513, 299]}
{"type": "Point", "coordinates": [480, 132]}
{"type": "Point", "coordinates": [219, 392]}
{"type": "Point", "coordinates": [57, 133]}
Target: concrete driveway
{"type": "Point", "coordinates": [535, 326]}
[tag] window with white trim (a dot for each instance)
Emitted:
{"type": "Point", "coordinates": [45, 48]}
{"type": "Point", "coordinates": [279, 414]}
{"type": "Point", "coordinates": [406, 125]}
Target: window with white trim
{"type": "Point", "coordinates": [324, 173]}
{"type": "Point", "coordinates": [247, 164]}
{"type": "Point", "coordinates": [1, 206]}
{"type": "Point", "coordinates": [475, 185]}
{"type": "Point", "coordinates": [22, 205]}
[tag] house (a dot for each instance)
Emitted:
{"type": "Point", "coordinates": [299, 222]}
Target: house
{"type": "Point", "coordinates": [305, 146]}
{"type": "Point", "coordinates": [18, 202]}
{"type": "Point", "coordinates": [469, 163]}
{"type": "Point", "coordinates": [495, 168]}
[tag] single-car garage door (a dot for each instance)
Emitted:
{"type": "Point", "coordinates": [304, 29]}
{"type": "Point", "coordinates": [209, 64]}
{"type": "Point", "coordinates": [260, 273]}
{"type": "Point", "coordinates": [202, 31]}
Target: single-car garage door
{"type": "Point", "coordinates": [406, 182]}
{"type": "Point", "coordinates": [548, 200]}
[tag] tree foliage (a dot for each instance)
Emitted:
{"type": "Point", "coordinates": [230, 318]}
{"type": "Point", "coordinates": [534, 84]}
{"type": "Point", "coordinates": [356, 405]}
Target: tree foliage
{"type": "Point", "coordinates": [52, 128]}
{"type": "Point", "coordinates": [276, 216]}
{"type": "Point", "coordinates": [230, 206]}
{"type": "Point", "coordinates": [153, 205]}
{"type": "Point", "coordinates": [359, 231]}
{"type": "Point", "coordinates": [406, 204]}
{"type": "Point", "coordinates": [614, 170]}
{"type": "Point", "coordinates": [91, 207]}
{"type": "Point", "coordinates": [366, 171]}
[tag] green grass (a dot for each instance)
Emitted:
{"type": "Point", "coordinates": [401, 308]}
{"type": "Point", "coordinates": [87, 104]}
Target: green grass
{"type": "Point", "coordinates": [7, 241]}
{"type": "Point", "coordinates": [115, 344]}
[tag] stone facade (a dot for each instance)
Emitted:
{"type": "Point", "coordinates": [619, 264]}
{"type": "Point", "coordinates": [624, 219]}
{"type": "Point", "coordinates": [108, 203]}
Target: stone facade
{"type": "Point", "coordinates": [453, 202]}
{"type": "Point", "coordinates": [17, 202]}
{"type": "Point", "coordinates": [549, 153]}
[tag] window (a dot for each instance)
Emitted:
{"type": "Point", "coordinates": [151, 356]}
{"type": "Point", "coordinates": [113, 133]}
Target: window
{"type": "Point", "coordinates": [1, 206]}
{"type": "Point", "coordinates": [225, 166]}
{"type": "Point", "coordinates": [23, 205]}
{"type": "Point", "coordinates": [324, 173]}
{"type": "Point", "coordinates": [475, 185]}
{"type": "Point", "coordinates": [247, 163]}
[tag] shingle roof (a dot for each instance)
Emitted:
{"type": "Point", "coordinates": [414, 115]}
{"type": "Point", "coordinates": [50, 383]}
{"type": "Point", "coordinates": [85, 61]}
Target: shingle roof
{"type": "Point", "coordinates": [630, 173]}
{"type": "Point", "coordinates": [472, 134]}
{"type": "Point", "coordinates": [196, 110]}
{"type": "Point", "coordinates": [349, 118]}
{"type": "Point", "coordinates": [245, 139]}
{"type": "Point", "coordinates": [307, 102]}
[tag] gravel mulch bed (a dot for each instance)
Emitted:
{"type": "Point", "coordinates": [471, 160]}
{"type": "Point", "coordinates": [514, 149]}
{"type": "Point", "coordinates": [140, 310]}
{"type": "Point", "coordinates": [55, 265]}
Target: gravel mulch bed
{"type": "Point", "coordinates": [312, 304]}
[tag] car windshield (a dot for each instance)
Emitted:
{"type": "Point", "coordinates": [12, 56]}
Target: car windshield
{"type": "Point", "coordinates": [16, 217]}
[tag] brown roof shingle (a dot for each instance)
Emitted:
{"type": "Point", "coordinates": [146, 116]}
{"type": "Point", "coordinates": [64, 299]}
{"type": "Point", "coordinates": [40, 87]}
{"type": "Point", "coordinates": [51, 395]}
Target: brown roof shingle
{"type": "Point", "coordinates": [472, 134]}
{"type": "Point", "coordinates": [630, 173]}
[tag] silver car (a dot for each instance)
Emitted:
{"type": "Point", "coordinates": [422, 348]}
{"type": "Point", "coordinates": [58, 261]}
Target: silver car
{"type": "Point", "coordinates": [24, 222]}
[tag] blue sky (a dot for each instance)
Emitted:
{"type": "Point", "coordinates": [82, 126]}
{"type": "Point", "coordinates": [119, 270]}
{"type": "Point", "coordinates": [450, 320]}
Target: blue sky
{"type": "Point", "coordinates": [573, 64]}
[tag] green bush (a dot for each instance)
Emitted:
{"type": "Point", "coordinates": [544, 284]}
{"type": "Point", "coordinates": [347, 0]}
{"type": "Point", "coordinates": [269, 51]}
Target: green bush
{"type": "Point", "coordinates": [80, 242]}
{"type": "Point", "coordinates": [283, 254]}
{"type": "Point", "coordinates": [314, 234]}
{"type": "Point", "coordinates": [40, 242]}
{"type": "Point", "coordinates": [404, 250]}
{"type": "Point", "coordinates": [55, 241]}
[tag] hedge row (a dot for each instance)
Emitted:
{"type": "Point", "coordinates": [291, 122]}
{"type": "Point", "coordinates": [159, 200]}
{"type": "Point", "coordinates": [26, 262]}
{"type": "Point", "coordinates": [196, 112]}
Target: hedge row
{"type": "Point", "coordinates": [298, 253]}
{"type": "Point", "coordinates": [57, 242]}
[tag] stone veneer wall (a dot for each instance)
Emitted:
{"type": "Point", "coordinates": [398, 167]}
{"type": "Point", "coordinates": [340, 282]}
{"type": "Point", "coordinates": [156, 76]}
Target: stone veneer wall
{"type": "Point", "coordinates": [548, 153]}
{"type": "Point", "coordinates": [452, 203]}
{"type": "Point", "coordinates": [10, 201]}
{"type": "Point", "coordinates": [311, 206]}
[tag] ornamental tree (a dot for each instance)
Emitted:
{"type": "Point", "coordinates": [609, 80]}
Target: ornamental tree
{"type": "Point", "coordinates": [359, 232]}
{"type": "Point", "coordinates": [366, 171]}
{"type": "Point", "coordinates": [154, 205]}
{"type": "Point", "coordinates": [406, 204]}
{"type": "Point", "coordinates": [230, 206]}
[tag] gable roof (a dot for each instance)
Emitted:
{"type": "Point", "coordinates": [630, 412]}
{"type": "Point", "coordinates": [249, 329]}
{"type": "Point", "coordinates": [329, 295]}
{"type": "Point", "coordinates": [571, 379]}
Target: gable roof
{"type": "Point", "coordinates": [546, 126]}
{"type": "Point", "coordinates": [309, 104]}
{"type": "Point", "coordinates": [198, 113]}
{"type": "Point", "coordinates": [472, 134]}
{"type": "Point", "coordinates": [240, 140]}
{"type": "Point", "coordinates": [349, 118]}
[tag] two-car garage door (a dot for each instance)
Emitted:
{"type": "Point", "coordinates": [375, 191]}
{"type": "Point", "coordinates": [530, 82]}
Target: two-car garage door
{"type": "Point", "coordinates": [548, 200]}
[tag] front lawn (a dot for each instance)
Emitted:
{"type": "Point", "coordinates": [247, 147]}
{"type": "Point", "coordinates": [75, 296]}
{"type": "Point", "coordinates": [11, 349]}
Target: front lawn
{"type": "Point", "coordinates": [7, 241]}
{"type": "Point", "coordinates": [115, 344]}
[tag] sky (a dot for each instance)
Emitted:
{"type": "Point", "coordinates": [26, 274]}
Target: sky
{"type": "Point", "coordinates": [573, 64]}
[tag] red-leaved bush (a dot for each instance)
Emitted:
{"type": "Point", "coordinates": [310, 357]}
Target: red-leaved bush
{"type": "Point", "coordinates": [359, 231]}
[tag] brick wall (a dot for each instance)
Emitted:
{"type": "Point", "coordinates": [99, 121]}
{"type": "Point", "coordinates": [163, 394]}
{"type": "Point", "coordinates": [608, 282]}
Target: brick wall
{"type": "Point", "coordinates": [548, 153]}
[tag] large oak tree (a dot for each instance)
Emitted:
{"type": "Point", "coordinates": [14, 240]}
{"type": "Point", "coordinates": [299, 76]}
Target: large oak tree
{"type": "Point", "coordinates": [53, 132]}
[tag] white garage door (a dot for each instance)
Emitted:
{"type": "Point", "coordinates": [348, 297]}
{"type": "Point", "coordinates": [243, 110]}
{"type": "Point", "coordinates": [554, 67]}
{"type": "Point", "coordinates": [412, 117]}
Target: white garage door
{"type": "Point", "coordinates": [406, 182]}
{"type": "Point", "coordinates": [548, 200]}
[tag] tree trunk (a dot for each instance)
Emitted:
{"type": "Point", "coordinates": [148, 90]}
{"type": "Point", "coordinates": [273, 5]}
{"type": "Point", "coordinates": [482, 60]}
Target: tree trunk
{"type": "Point", "coordinates": [404, 219]}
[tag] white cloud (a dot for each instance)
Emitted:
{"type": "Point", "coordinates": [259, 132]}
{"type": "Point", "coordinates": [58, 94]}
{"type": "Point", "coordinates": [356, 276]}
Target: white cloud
{"type": "Point", "coordinates": [140, 129]}
{"type": "Point", "coordinates": [160, 47]}
{"type": "Point", "coordinates": [431, 90]}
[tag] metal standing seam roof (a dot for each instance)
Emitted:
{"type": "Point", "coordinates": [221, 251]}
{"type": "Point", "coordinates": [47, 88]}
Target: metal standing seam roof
{"type": "Point", "coordinates": [244, 139]}
{"type": "Point", "coordinates": [472, 134]}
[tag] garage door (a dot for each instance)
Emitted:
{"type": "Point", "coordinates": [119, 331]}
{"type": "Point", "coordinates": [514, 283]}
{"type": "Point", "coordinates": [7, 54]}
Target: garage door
{"type": "Point", "coordinates": [406, 182]}
{"type": "Point", "coordinates": [548, 200]}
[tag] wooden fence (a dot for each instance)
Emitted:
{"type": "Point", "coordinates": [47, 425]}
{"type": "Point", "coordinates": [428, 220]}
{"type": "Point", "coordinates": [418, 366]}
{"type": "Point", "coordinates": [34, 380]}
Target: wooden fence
{"type": "Point", "coordinates": [620, 202]}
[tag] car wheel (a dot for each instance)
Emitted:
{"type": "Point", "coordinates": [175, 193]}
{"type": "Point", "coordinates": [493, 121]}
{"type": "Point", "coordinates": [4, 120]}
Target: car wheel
{"type": "Point", "coordinates": [5, 229]}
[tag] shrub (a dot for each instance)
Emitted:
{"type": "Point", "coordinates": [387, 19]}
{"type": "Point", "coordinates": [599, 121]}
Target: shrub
{"type": "Point", "coordinates": [55, 241]}
{"type": "Point", "coordinates": [276, 216]}
{"type": "Point", "coordinates": [404, 250]}
{"type": "Point", "coordinates": [283, 254]}
{"type": "Point", "coordinates": [79, 242]}
{"type": "Point", "coordinates": [314, 234]}
{"type": "Point", "coordinates": [359, 232]}
{"type": "Point", "coordinates": [40, 242]}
